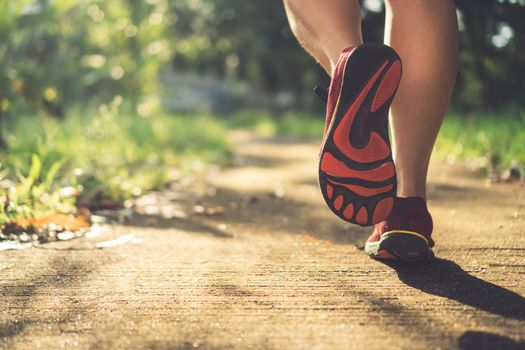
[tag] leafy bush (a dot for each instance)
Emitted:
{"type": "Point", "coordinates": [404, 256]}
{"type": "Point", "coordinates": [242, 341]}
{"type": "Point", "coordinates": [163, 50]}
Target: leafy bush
{"type": "Point", "coordinates": [106, 155]}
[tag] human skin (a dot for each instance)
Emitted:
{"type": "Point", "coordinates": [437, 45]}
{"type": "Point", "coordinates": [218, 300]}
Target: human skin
{"type": "Point", "coordinates": [425, 35]}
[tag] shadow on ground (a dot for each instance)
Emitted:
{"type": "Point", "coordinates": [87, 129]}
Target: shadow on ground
{"type": "Point", "coordinates": [268, 212]}
{"type": "Point", "coordinates": [61, 272]}
{"type": "Point", "coordinates": [191, 225]}
{"type": "Point", "coordinates": [447, 279]}
{"type": "Point", "coordinates": [487, 341]}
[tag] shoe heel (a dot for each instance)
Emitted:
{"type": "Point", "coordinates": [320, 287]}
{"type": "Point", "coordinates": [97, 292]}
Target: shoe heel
{"type": "Point", "coordinates": [401, 246]}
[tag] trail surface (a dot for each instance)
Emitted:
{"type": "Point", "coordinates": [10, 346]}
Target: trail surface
{"type": "Point", "coordinates": [275, 270]}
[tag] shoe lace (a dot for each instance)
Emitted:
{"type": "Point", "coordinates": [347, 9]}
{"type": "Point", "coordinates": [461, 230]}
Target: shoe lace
{"type": "Point", "coordinates": [322, 93]}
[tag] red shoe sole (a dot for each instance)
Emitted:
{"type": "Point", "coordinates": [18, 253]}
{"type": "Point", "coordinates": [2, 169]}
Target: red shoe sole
{"type": "Point", "coordinates": [357, 176]}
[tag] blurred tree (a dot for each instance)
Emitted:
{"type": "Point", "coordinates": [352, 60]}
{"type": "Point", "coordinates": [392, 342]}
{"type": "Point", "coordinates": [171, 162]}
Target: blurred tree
{"type": "Point", "coordinates": [244, 41]}
{"type": "Point", "coordinates": [58, 53]}
{"type": "Point", "coordinates": [492, 53]}
{"type": "Point", "coordinates": [54, 54]}
{"type": "Point", "coordinates": [252, 42]}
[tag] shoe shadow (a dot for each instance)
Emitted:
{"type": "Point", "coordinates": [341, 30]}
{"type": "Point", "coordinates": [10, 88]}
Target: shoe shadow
{"type": "Point", "coordinates": [447, 279]}
{"type": "Point", "coordinates": [471, 340]}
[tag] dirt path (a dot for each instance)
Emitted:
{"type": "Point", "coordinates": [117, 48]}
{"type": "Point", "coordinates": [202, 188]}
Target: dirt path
{"type": "Point", "coordinates": [277, 270]}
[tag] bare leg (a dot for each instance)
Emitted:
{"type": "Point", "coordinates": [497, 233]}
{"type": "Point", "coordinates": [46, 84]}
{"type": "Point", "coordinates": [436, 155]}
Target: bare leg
{"type": "Point", "coordinates": [424, 33]}
{"type": "Point", "coordinates": [325, 28]}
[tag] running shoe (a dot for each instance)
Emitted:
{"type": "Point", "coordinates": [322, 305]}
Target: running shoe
{"type": "Point", "coordinates": [405, 235]}
{"type": "Point", "coordinates": [357, 176]}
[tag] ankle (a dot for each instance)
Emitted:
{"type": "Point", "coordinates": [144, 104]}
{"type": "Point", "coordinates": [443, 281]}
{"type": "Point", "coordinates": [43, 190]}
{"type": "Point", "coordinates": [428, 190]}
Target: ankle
{"type": "Point", "coordinates": [412, 190]}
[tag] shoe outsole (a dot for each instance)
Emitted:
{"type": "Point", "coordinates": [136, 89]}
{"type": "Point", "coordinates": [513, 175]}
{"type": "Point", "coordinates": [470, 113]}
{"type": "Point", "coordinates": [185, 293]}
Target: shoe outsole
{"type": "Point", "coordinates": [400, 246]}
{"type": "Point", "coordinates": [356, 172]}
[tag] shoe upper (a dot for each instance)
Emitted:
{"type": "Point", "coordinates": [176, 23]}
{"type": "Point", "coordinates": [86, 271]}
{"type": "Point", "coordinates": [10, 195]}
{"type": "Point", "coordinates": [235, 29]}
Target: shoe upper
{"type": "Point", "coordinates": [408, 214]}
{"type": "Point", "coordinates": [335, 84]}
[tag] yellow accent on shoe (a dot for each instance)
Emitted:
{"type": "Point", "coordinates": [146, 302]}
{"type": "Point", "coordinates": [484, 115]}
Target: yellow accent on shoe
{"type": "Point", "coordinates": [407, 232]}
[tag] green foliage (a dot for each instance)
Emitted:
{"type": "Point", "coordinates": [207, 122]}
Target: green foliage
{"type": "Point", "coordinates": [492, 54]}
{"type": "Point", "coordinates": [244, 40]}
{"type": "Point", "coordinates": [34, 194]}
{"type": "Point", "coordinates": [487, 139]}
{"type": "Point", "coordinates": [290, 124]}
{"type": "Point", "coordinates": [108, 154]}
{"type": "Point", "coordinates": [54, 54]}
{"type": "Point", "coordinates": [57, 54]}
{"type": "Point", "coordinates": [60, 58]}
{"type": "Point", "coordinates": [493, 140]}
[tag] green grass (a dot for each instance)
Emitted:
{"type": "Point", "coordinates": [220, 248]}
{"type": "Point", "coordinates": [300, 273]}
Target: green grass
{"type": "Point", "coordinates": [491, 139]}
{"type": "Point", "coordinates": [105, 154]}
{"type": "Point", "coordinates": [262, 123]}
{"type": "Point", "coordinates": [495, 140]}
{"type": "Point", "coordinates": [109, 155]}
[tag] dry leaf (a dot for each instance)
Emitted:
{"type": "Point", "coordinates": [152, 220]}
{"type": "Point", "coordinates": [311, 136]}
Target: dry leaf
{"type": "Point", "coordinates": [67, 222]}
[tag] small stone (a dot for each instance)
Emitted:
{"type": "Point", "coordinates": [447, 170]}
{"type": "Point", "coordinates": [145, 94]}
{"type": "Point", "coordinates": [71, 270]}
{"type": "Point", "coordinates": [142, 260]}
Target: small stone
{"type": "Point", "coordinates": [24, 237]}
{"type": "Point", "coordinates": [215, 210]}
{"type": "Point", "coordinates": [199, 209]}
{"type": "Point", "coordinates": [65, 236]}
{"type": "Point", "coordinates": [511, 175]}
